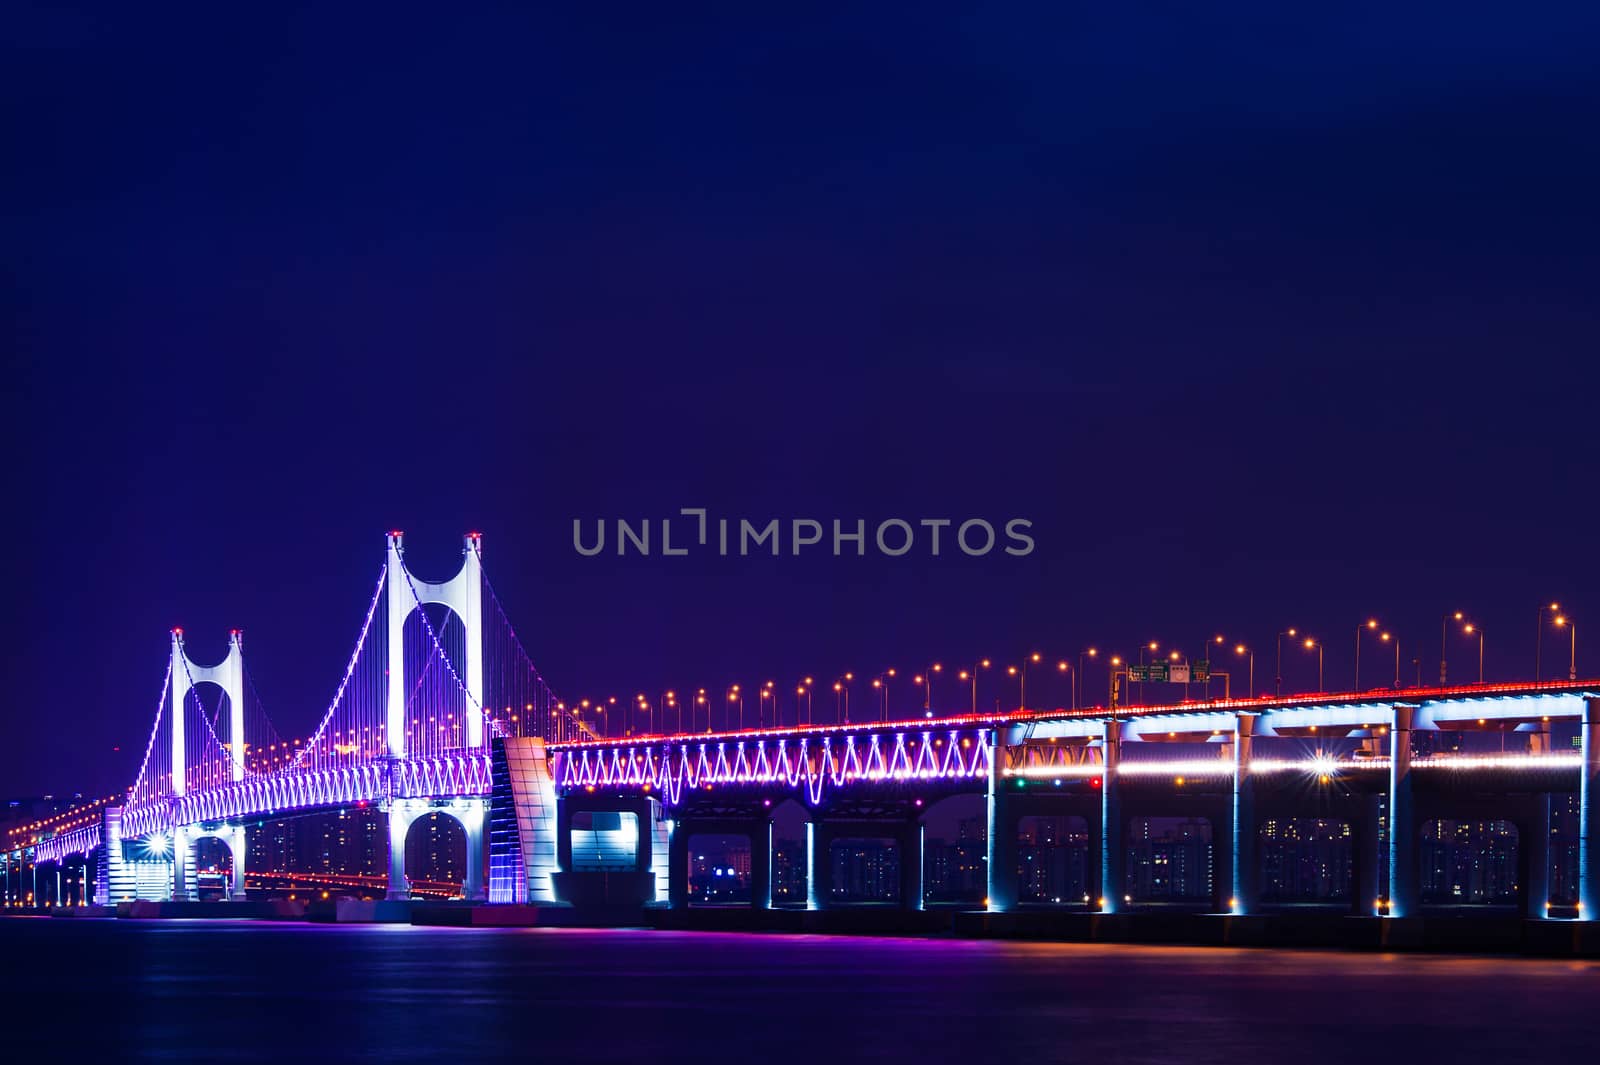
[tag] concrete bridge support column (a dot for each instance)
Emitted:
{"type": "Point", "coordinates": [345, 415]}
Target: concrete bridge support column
{"type": "Point", "coordinates": [473, 815]}
{"type": "Point", "coordinates": [1002, 827]}
{"type": "Point", "coordinates": [1245, 888]}
{"type": "Point", "coordinates": [399, 823]}
{"type": "Point", "coordinates": [819, 865]}
{"type": "Point", "coordinates": [761, 864]}
{"type": "Point", "coordinates": [677, 866]}
{"type": "Point", "coordinates": [1403, 880]}
{"type": "Point", "coordinates": [1589, 813]}
{"type": "Point", "coordinates": [1113, 855]}
{"type": "Point", "coordinates": [911, 844]}
{"type": "Point", "coordinates": [182, 865]}
{"type": "Point", "coordinates": [1533, 858]}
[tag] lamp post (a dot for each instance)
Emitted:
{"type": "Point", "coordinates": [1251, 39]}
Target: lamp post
{"type": "Point", "coordinates": [1090, 653]}
{"type": "Point", "coordinates": [1111, 683]}
{"type": "Point", "coordinates": [1241, 649]}
{"type": "Point", "coordinates": [1277, 684]}
{"type": "Point", "coordinates": [1444, 625]}
{"type": "Point", "coordinates": [1317, 644]}
{"type": "Point", "coordinates": [1064, 666]}
{"type": "Point", "coordinates": [927, 693]}
{"type": "Point", "coordinates": [734, 696]}
{"type": "Point", "coordinates": [1538, 640]}
{"type": "Point", "coordinates": [1562, 621]}
{"type": "Point", "coordinates": [1371, 625]}
{"type": "Point", "coordinates": [1388, 638]}
{"type": "Point", "coordinates": [972, 675]}
{"type": "Point", "coordinates": [699, 700]}
{"type": "Point", "coordinates": [1470, 629]}
{"type": "Point", "coordinates": [1022, 679]}
{"type": "Point", "coordinates": [881, 682]}
{"type": "Point", "coordinates": [841, 690]}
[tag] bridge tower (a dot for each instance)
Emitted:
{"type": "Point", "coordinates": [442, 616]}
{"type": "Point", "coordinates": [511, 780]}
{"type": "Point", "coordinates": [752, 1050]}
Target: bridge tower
{"type": "Point", "coordinates": [229, 676]}
{"type": "Point", "coordinates": [463, 595]}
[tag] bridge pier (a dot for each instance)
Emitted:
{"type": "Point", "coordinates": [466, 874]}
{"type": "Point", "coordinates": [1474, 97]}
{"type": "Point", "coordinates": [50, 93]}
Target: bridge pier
{"type": "Point", "coordinates": [1403, 879]}
{"type": "Point", "coordinates": [1589, 813]}
{"type": "Point", "coordinates": [818, 869]}
{"type": "Point", "coordinates": [761, 865]}
{"type": "Point", "coordinates": [183, 890]}
{"type": "Point", "coordinates": [1001, 894]}
{"type": "Point", "coordinates": [1113, 854]}
{"type": "Point", "coordinates": [1245, 887]}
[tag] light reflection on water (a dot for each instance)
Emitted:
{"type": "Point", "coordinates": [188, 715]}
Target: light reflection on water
{"type": "Point", "coordinates": [246, 991]}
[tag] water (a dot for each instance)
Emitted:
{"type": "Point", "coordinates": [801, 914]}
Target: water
{"type": "Point", "coordinates": [209, 991]}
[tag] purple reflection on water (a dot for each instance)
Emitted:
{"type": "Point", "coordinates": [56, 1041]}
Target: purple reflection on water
{"type": "Point", "coordinates": [241, 991]}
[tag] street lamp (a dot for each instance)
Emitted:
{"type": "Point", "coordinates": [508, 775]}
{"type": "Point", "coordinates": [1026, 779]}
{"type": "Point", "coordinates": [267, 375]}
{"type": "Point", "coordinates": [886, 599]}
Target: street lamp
{"type": "Point", "coordinates": [1371, 626]}
{"type": "Point", "coordinates": [1469, 629]}
{"type": "Point", "coordinates": [734, 696]}
{"type": "Point", "coordinates": [841, 689]}
{"type": "Point", "coordinates": [1309, 644]}
{"type": "Point", "coordinates": [1241, 649]}
{"type": "Point", "coordinates": [1572, 662]}
{"type": "Point", "coordinates": [1090, 653]}
{"type": "Point", "coordinates": [700, 700]}
{"type": "Point", "coordinates": [927, 694]}
{"type": "Point", "coordinates": [1022, 680]}
{"type": "Point", "coordinates": [972, 675]}
{"type": "Point", "coordinates": [1111, 682]}
{"type": "Point", "coordinates": [1387, 638]}
{"type": "Point", "coordinates": [1538, 643]}
{"type": "Point", "coordinates": [1444, 625]}
{"type": "Point", "coordinates": [881, 682]}
{"type": "Point", "coordinates": [1278, 668]}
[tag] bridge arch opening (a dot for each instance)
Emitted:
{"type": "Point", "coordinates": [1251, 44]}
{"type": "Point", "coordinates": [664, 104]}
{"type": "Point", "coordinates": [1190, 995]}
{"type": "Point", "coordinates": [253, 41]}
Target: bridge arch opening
{"type": "Point", "coordinates": [863, 868]}
{"type": "Point", "coordinates": [436, 854]}
{"type": "Point", "coordinates": [719, 869]}
{"type": "Point", "coordinates": [213, 867]}
{"type": "Point", "coordinates": [1470, 862]}
{"type": "Point", "coordinates": [1053, 860]}
{"type": "Point", "coordinates": [955, 852]}
{"type": "Point", "coordinates": [1170, 861]}
{"type": "Point", "coordinates": [789, 866]}
{"type": "Point", "coordinates": [1306, 860]}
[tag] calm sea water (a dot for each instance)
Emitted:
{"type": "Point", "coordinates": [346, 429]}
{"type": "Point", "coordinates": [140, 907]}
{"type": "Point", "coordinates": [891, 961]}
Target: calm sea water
{"type": "Point", "coordinates": [241, 991]}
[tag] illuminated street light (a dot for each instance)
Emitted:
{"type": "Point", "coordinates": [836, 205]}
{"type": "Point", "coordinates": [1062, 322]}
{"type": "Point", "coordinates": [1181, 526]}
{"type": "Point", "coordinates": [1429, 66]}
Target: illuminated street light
{"type": "Point", "coordinates": [972, 675]}
{"type": "Point", "coordinates": [1241, 649]}
{"type": "Point", "coordinates": [1470, 629]}
{"type": "Point", "coordinates": [1538, 643]}
{"type": "Point", "coordinates": [1309, 645]}
{"type": "Point", "coordinates": [1278, 668]}
{"type": "Point", "coordinates": [1572, 663]}
{"type": "Point", "coordinates": [1388, 638]}
{"type": "Point", "coordinates": [1077, 677]}
{"type": "Point", "coordinates": [1370, 626]}
{"type": "Point", "coordinates": [1444, 626]}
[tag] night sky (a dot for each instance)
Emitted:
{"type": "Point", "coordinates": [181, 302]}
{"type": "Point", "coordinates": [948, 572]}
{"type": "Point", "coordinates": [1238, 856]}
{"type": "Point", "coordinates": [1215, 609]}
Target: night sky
{"type": "Point", "coordinates": [1268, 318]}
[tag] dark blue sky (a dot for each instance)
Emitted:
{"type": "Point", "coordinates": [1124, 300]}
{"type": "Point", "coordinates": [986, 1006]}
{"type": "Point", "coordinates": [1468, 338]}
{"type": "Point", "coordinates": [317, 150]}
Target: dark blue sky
{"type": "Point", "coordinates": [1263, 318]}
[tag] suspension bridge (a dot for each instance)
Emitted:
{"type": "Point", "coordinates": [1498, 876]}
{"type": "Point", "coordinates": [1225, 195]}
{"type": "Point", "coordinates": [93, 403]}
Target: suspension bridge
{"type": "Point", "coordinates": [440, 709]}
